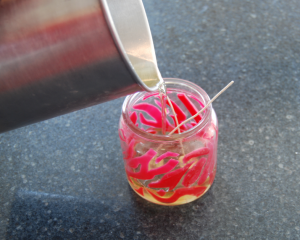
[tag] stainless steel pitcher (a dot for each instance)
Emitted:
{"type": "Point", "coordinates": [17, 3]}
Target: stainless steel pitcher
{"type": "Point", "coordinates": [61, 56]}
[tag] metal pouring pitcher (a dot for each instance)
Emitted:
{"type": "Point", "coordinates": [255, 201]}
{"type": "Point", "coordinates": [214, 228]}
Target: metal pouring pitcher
{"type": "Point", "coordinates": [61, 56]}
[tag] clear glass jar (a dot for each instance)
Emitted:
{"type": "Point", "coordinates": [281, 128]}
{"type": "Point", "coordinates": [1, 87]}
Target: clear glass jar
{"type": "Point", "coordinates": [169, 169]}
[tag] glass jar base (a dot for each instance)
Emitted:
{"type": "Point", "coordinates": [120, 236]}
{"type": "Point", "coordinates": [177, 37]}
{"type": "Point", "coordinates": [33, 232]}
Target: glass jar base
{"type": "Point", "coordinates": [174, 198]}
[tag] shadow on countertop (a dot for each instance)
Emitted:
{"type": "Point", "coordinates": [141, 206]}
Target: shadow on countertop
{"type": "Point", "coordinates": [37, 215]}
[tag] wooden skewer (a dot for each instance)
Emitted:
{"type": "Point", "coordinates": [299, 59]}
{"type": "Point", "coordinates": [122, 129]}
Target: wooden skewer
{"type": "Point", "coordinates": [175, 115]}
{"type": "Point", "coordinates": [176, 121]}
{"type": "Point", "coordinates": [203, 109]}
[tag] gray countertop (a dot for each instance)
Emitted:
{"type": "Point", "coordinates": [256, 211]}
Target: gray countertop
{"type": "Point", "coordinates": [64, 178]}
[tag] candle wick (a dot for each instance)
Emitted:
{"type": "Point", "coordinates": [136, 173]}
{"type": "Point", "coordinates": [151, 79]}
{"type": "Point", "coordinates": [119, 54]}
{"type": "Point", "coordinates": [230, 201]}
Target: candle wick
{"type": "Point", "coordinates": [203, 109]}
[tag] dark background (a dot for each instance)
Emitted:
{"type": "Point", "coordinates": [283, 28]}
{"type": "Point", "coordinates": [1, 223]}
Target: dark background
{"type": "Point", "coordinates": [64, 178]}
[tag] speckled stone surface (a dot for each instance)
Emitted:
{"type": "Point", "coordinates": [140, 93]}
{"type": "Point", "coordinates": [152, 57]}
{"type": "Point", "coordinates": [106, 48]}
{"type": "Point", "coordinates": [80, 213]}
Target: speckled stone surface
{"type": "Point", "coordinates": [64, 178]}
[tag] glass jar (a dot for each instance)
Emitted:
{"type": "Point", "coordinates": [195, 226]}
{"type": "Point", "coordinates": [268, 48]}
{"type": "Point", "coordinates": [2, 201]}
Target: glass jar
{"type": "Point", "coordinates": [169, 169]}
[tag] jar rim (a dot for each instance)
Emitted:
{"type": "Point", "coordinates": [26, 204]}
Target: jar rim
{"type": "Point", "coordinates": [176, 136]}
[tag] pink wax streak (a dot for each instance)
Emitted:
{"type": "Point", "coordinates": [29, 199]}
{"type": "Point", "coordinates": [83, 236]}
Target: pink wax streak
{"type": "Point", "coordinates": [208, 169]}
{"type": "Point", "coordinates": [149, 122]}
{"type": "Point", "coordinates": [171, 179]}
{"type": "Point", "coordinates": [161, 193]}
{"type": "Point", "coordinates": [195, 191]}
{"type": "Point", "coordinates": [143, 161]}
{"type": "Point", "coordinates": [163, 99]}
{"type": "Point", "coordinates": [189, 105]}
{"type": "Point", "coordinates": [180, 114]}
{"type": "Point", "coordinates": [194, 173]}
{"type": "Point", "coordinates": [152, 131]}
{"type": "Point", "coordinates": [140, 191]}
{"type": "Point", "coordinates": [158, 103]}
{"type": "Point", "coordinates": [193, 124]}
{"type": "Point", "coordinates": [165, 155]}
{"type": "Point", "coordinates": [130, 150]}
{"type": "Point", "coordinates": [197, 153]}
{"type": "Point", "coordinates": [203, 177]}
{"type": "Point", "coordinates": [122, 135]}
{"type": "Point", "coordinates": [133, 117]}
{"type": "Point", "coordinates": [154, 112]}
